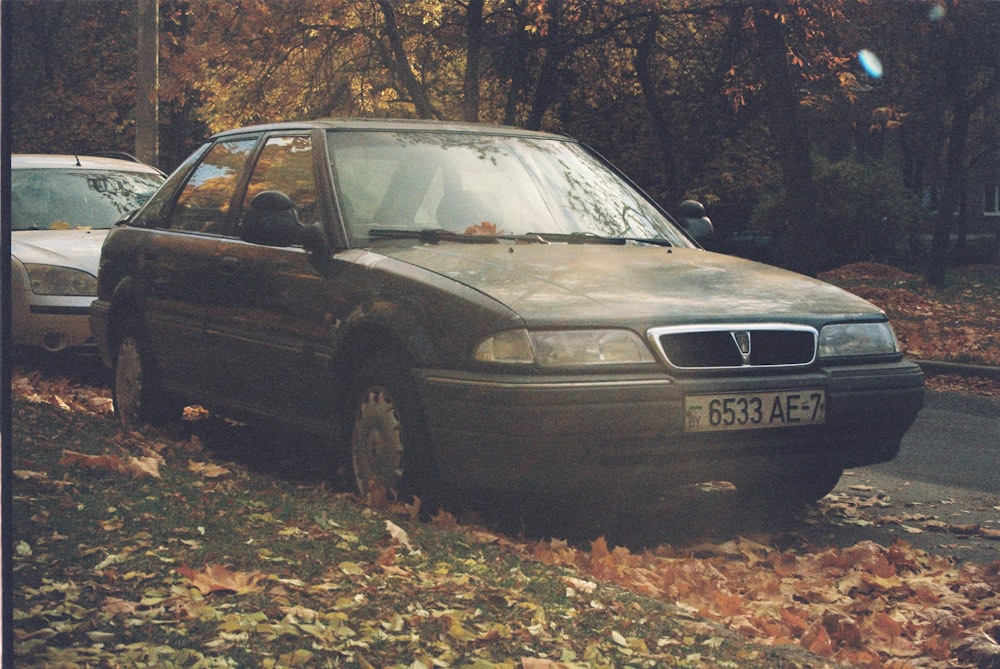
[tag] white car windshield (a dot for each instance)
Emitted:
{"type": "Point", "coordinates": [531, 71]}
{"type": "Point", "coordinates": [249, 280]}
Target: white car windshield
{"type": "Point", "coordinates": [486, 184]}
{"type": "Point", "coordinates": [53, 199]}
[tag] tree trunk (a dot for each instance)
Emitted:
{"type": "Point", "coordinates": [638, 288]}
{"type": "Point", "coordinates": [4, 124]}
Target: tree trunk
{"type": "Point", "coordinates": [517, 50]}
{"type": "Point", "coordinates": [474, 45]}
{"type": "Point", "coordinates": [792, 146]}
{"type": "Point", "coordinates": [147, 116]}
{"type": "Point", "coordinates": [937, 266]}
{"type": "Point", "coordinates": [657, 113]}
{"type": "Point", "coordinates": [547, 83]}
{"type": "Point", "coordinates": [399, 62]}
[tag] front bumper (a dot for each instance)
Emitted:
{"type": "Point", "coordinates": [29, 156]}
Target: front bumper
{"type": "Point", "coordinates": [53, 323]}
{"type": "Point", "coordinates": [556, 435]}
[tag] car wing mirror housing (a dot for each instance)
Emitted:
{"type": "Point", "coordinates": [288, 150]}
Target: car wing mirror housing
{"type": "Point", "coordinates": [695, 221]}
{"type": "Point", "coordinates": [271, 220]}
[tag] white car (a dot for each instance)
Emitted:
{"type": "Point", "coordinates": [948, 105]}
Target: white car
{"type": "Point", "coordinates": [61, 208]}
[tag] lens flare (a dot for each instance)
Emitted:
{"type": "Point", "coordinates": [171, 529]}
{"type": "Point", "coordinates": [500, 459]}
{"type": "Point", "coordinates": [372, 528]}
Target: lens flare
{"type": "Point", "coordinates": [870, 62]}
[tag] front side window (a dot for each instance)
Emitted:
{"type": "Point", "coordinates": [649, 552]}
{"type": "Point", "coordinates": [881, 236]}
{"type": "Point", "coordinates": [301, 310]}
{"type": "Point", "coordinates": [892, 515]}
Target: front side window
{"type": "Point", "coordinates": [52, 199]}
{"type": "Point", "coordinates": [285, 165]}
{"type": "Point", "coordinates": [203, 205]}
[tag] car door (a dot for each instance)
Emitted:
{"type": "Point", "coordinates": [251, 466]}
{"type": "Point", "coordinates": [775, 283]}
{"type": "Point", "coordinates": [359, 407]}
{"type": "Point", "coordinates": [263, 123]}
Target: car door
{"type": "Point", "coordinates": [180, 267]}
{"type": "Point", "coordinates": [280, 310]}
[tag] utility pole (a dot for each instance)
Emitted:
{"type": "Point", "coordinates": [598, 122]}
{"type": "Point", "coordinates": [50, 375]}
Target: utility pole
{"type": "Point", "coordinates": [147, 110]}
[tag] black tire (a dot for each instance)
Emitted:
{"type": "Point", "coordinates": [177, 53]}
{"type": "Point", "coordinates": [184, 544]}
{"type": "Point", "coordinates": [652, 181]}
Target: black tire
{"type": "Point", "coordinates": [795, 487]}
{"type": "Point", "coordinates": [390, 450]}
{"type": "Point", "coordinates": [136, 390]}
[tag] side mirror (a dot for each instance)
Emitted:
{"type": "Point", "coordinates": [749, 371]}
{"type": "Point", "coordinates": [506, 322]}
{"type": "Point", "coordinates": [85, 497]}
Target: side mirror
{"type": "Point", "coordinates": [691, 209]}
{"type": "Point", "coordinates": [695, 221]}
{"type": "Point", "coordinates": [271, 220]}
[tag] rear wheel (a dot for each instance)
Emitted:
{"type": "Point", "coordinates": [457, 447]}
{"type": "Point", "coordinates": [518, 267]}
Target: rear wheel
{"type": "Point", "coordinates": [389, 444]}
{"type": "Point", "coordinates": [138, 396]}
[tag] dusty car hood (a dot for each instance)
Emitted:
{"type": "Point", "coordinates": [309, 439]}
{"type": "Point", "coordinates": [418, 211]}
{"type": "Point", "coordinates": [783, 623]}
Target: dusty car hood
{"type": "Point", "coordinates": [601, 283]}
{"type": "Point", "coordinates": [79, 249]}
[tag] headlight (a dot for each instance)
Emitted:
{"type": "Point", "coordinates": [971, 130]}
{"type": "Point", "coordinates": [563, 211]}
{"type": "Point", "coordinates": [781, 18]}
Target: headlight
{"type": "Point", "coordinates": [851, 339]}
{"type": "Point", "coordinates": [564, 348]}
{"type": "Point", "coordinates": [55, 280]}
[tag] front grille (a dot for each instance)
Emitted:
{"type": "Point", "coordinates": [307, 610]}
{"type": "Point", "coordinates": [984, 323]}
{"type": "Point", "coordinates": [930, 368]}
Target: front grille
{"type": "Point", "coordinates": [728, 346]}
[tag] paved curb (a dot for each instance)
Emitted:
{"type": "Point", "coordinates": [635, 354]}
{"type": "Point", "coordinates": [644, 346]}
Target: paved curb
{"type": "Point", "coordinates": [932, 367]}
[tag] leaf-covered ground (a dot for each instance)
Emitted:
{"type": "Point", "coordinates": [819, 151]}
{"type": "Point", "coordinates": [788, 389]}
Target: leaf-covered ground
{"type": "Point", "coordinates": [151, 550]}
{"type": "Point", "coordinates": [195, 548]}
{"type": "Point", "coordinates": [960, 323]}
{"type": "Point", "coordinates": [146, 550]}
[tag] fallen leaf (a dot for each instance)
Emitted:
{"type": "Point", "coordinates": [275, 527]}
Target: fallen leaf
{"type": "Point", "coordinates": [28, 475]}
{"type": "Point", "coordinates": [398, 534]}
{"type": "Point", "coordinates": [144, 466]}
{"type": "Point", "coordinates": [207, 469]}
{"type": "Point", "coordinates": [215, 578]}
{"type": "Point", "coordinates": [137, 467]}
{"type": "Point", "coordinates": [110, 463]}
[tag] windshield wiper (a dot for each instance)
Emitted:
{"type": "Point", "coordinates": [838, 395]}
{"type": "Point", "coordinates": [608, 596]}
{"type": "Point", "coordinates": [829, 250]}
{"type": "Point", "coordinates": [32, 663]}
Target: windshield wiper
{"type": "Point", "coordinates": [593, 238]}
{"type": "Point", "coordinates": [431, 236]}
{"type": "Point", "coordinates": [437, 235]}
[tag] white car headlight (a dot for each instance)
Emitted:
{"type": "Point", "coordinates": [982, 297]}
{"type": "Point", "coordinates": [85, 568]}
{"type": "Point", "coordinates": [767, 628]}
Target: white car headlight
{"type": "Point", "coordinates": [851, 339]}
{"type": "Point", "coordinates": [564, 348]}
{"type": "Point", "coordinates": [55, 280]}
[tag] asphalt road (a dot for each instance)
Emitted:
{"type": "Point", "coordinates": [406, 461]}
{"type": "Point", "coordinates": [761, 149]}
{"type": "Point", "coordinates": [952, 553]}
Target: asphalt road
{"type": "Point", "coordinates": [945, 481]}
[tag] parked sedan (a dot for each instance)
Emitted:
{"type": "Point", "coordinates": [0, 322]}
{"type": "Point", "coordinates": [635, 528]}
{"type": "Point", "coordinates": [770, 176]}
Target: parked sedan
{"type": "Point", "coordinates": [61, 208]}
{"type": "Point", "coordinates": [486, 310]}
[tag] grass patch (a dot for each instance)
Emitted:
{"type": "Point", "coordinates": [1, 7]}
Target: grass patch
{"type": "Point", "coordinates": [206, 562]}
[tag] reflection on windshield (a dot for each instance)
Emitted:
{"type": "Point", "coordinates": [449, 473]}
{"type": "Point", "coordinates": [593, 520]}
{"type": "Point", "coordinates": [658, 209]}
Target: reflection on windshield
{"type": "Point", "coordinates": [55, 200]}
{"type": "Point", "coordinates": [485, 184]}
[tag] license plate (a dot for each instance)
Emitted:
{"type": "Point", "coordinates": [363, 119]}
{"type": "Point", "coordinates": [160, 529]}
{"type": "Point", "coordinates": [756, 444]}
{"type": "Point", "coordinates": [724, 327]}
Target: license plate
{"type": "Point", "coordinates": [753, 411]}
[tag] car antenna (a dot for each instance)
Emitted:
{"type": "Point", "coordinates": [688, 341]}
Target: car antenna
{"type": "Point", "coordinates": [77, 160]}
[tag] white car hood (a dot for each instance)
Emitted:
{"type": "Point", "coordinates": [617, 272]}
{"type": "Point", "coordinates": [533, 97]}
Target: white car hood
{"type": "Point", "coordinates": [78, 249]}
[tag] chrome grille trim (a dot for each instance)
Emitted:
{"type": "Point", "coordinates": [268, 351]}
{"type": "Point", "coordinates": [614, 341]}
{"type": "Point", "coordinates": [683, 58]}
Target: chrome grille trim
{"type": "Point", "coordinates": [719, 346]}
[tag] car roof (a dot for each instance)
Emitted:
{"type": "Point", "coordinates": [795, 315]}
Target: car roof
{"type": "Point", "coordinates": [390, 124]}
{"type": "Point", "coordinates": [60, 161]}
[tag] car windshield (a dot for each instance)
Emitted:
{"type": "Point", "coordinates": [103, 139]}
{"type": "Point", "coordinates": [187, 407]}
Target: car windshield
{"type": "Point", "coordinates": [395, 183]}
{"type": "Point", "coordinates": [52, 199]}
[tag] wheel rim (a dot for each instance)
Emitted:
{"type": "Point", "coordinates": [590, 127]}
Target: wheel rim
{"type": "Point", "coordinates": [377, 445]}
{"type": "Point", "coordinates": [128, 382]}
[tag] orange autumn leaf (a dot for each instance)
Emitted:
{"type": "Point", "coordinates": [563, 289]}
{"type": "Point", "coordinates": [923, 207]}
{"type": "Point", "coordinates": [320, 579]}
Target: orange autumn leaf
{"type": "Point", "coordinates": [135, 467]}
{"type": "Point", "coordinates": [886, 625]}
{"type": "Point", "coordinates": [793, 620]}
{"type": "Point", "coordinates": [728, 604]}
{"type": "Point", "coordinates": [818, 641]}
{"type": "Point", "coordinates": [216, 578]}
{"type": "Point", "coordinates": [110, 463]}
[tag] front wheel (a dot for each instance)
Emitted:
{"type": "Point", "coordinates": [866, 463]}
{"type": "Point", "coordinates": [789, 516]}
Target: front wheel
{"type": "Point", "coordinates": [389, 444]}
{"type": "Point", "coordinates": [795, 486]}
{"type": "Point", "coordinates": [137, 395]}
